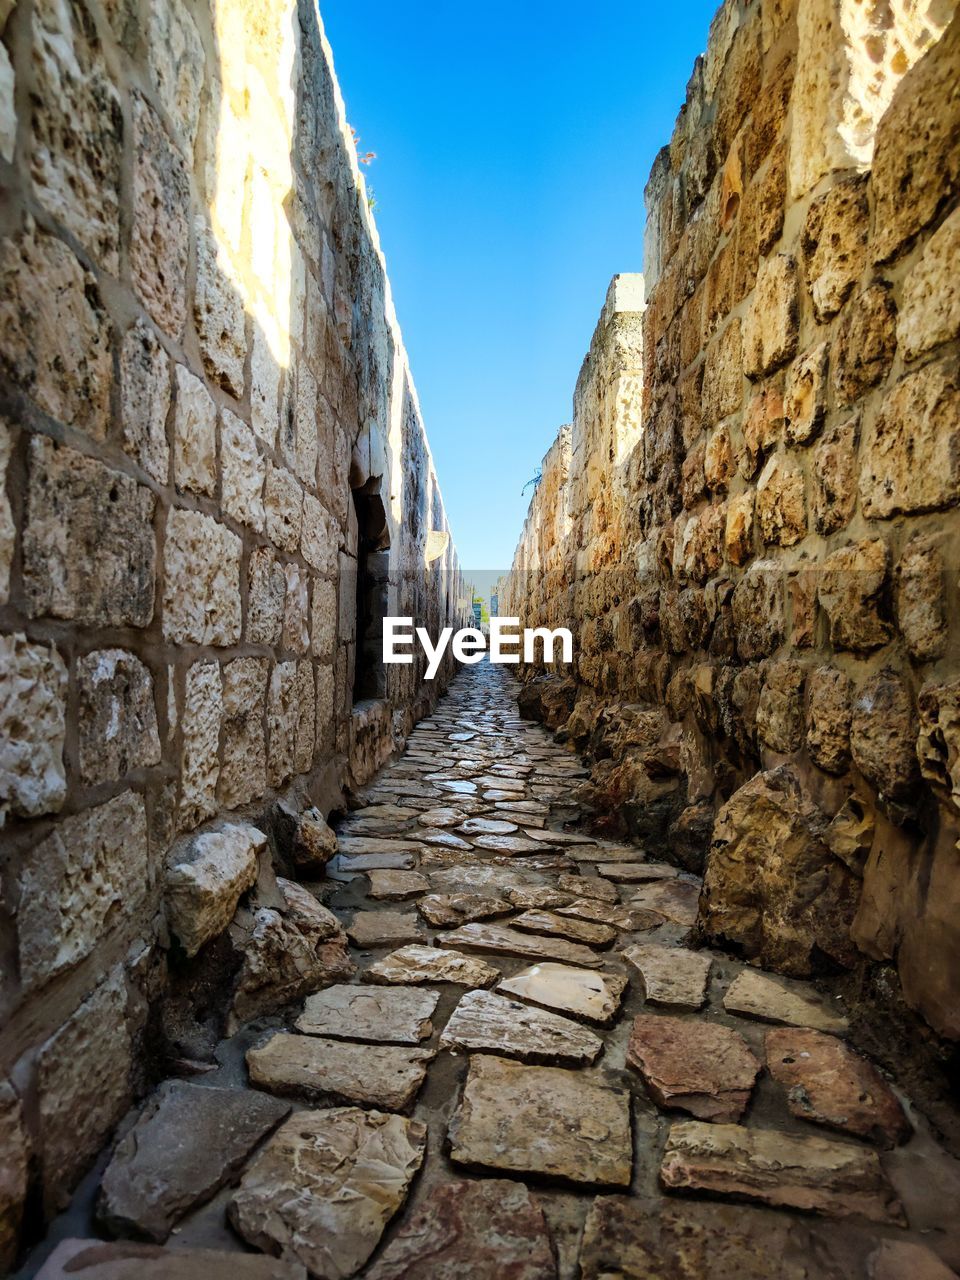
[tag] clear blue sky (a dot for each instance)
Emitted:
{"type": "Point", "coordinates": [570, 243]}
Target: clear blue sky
{"type": "Point", "coordinates": [513, 141]}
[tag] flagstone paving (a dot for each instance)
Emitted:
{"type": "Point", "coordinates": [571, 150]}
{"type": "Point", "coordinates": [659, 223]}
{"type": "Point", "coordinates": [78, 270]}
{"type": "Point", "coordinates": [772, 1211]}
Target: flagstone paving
{"type": "Point", "coordinates": [497, 1098]}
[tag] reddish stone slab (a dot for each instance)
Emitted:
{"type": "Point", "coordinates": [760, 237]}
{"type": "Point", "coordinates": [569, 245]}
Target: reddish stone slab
{"type": "Point", "coordinates": [699, 1067]}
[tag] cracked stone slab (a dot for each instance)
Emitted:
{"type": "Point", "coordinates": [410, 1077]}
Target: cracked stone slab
{"type": "Point", "coordinates": [316, 1068]}
{"type": "Point", "coordinates": [394, 886]}
{"type": "Point", "coordinates": [491, 1229]}
{"type": "Point", "coordinates": [671, 976]}
{"type": "Point", "coordinates": [829, 1083]}
{"type": "Point", "coordinates": [565, 926]}
{"type": "Point", "coordinates": [324, 1188]}
{"type": "Point", "coordinates": [676, 900]}
{"type": "Point", "coordinates": [188, 1141]}
{"type": "Point", "coordinates": [580, 993]}
{"type": "Point", "coordinates": [814, 1174]}
{"type": "Point", "coordinates": [442, 816]}
{"type": "Point", "coordinates": [626, 919]}
{"type": "Point", "coordinates": [534, 897]}
{"type": "Point", "coordinates": [753, 994]}
{"type": "Point", "coordinates": [491, 880]}
{"type": "Point", "coordinates": [662, 1239]}
{"type": "Point", "coordinates": [487, 827]}
{"type": "Point", "coordinates": [486, 1022]}
{"type": "Point", "coordinates": [447, 910]}
{"type": "Point", "coordinates": [510, 845]}
{"type": "Point", "coordinates": [446, 840]}
{"type": "Point", "coordinates": [700, 1067]}
{"type": "Point", "coordinates": [590, 887]}
{"type": "Point", "coordinates": [357, 863]}
{"type": "Point", "coordinates": [636, 872]}
{"type": "Point", "coordinates": [502, 940]}
{"type": "Point", "coordinates": [75, 1259]}
{"type": "Point", "coordinates": [359, 845]}
{"type": "Point", "coordinates": [370, 929]}
{"type": "Point", "coordinates": [392, 1015]}
{"type": "Point", "coordinates": [562, 838]}
{"type": "Point", "coordinates": [545, 1121]}
{"type": "Point", "coordinates": [416, 964]}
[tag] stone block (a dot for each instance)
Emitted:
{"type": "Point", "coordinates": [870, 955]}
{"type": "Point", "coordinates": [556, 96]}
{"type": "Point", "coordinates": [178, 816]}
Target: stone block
{"type": "Point", "coordinates": [200, 726]}
{"type": "Point", "coordinates": [834, 477]}
{"type": "Point", "coordinates": [282, 721]}
{"type": "Point", "coordinates": [176, 62]}
{"type": "Point", "coordinates": [920, 595]}
{"type": "Point", "coordinates": [883, 735]}
{"type": "Point", "coordinates": [243, 775]}
{"type": "Point", "coordinates": [88, 543]}
{"type": "Point", "coordinates": [865, 342]}
{"type": "Point", "coordinates": [266, 597]}
{"type": "Point", "coordinates": [780, 708]}
{"type": "Point", "coordinates": [719, 465]}
{"type": "Point", "coordinates": [283, 501]}
{"type": "Point", "coordinates": [201, 580]}
{"type": "Point", "coordinates": [781, 503]}
{"type": "Point", "coordinates": [33, 680]}
{"type": "Point", "coordinates": [938, 742]}
{"type": "Point", "coordinates": [8, 110]}
{"type": "Point", "coordinates": [723, 376]}
{"type": "Point", "coordinates": [323, 618]}
{"type": "Point", "coordinates": [930, 306]}
{"type": "Point", "coordinates": [243, 472]}
{"type": "Point", "coordinates": [762, 427]}
{"type": "Point", "coordinates": [218, 313]}
{"type": "Point", "coordinates": [116, 716]}
{"type": "Point", "coordinates": [76, 129]}
{"type": "Point", "coordinates": [83, 1088]}
{"type": "Point", "coordinates": [916, 165]}
{"type": "Point", "coordinates": [773, 323]}
{"type": "Point", "coordinates": [306, 731]}
{"type": "Point", "coordinates": [296, 630]}
{"type": "Point", "coordinates": [804, 402]}
{"type": "Point", "coordinates": [851, 594]}
{"type": "Point", "coordinates": [834, 243]}
{"type": "Point", "coordinates": [829, 697]}
{"type": "Point", "coordinates": [194, 435]}
{"type": "Point", "coordinates": [161, 231]}
{"type": "Point", "coordinates": [264, 389]}
{"type": "Point", "coordinates": [145, 400]}
{"type": "Point", "coordinates": [758, 610]}
{"type": "Point", "coordinates": [14, 1171]}
{"type": "Point", "coordinates": [911, 448]}
{"type": "Point", "coordinates": [56, 335]}
{"type": "Point", "coordinates": [205, 878]}
{"type": "Point", "coordinates": [319, 537]}
{"type": "Point", "coordinates": [89, 876]}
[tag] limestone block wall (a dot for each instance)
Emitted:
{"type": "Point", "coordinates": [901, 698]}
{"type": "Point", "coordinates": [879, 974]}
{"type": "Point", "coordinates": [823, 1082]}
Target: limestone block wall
{"type": "Point", "coordinates": [208, 429]}
{"type": "Point", "coordinates": [763, 499]}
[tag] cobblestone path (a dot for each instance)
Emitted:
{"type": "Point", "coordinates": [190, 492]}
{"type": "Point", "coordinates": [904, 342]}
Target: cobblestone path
{"type": "Point", "coordinates": [531, 1074]}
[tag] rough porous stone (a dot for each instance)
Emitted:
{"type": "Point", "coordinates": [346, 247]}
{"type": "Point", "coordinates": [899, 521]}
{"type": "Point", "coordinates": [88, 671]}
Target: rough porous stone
{"type": "Point", "coordinates": [324, 1188]}
{"type": "Point", "coordinates": [542, 1120]}
{"type": "Point", "coordinates": [200, 726]}
{"type": "Point", "coordinates": [489, 1023]}
{"type": "Point", "coordinates": [814, 1174]}
{"type": "Point", "coordinates": [308, 1066]}
{"type": "Point", "coordinates": [187, 1142]}
{"type": "Point", "coordinates": [242, 776]}
{"type": "Point", "coordinates": [850, 592]}
{"type": "Point", "coordinates": [161, 230]}
{"type": "Point", "coordinates": [117, 719]}
{"type": "Point", "coordinates": [145, 390]}
{"type": "Point", "coordinates": [883, 734]}
{"type": "Point", "coordinates": [202, 607]}
{"type": "Point", "coordinates": [194, 434]}
{"type": "Point", "coordinates": [32, 728]}
{"type": "Point", "coordinates": [14, 1162]}
{"type": "Point", "coordinates": [829, 698]}
{"type": "Point", "coordinates": [920, 599]}
{"type": "Point", "coordinates": [205, 880]}
{"type": "Point", "coordinates": [474, 1230]}
{"type": "Point", "coordinates": [430, 964]}
{"type": "Point", "coordinates": [699, 1067]}
{"type": "Point", "coordinates": [829, 1083]}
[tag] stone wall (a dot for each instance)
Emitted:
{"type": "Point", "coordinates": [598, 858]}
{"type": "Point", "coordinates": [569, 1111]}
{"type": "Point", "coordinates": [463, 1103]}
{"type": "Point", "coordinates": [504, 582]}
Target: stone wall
{"type": "Point", "coordinates": [207, 429]}
{"type": "Point", "coordinates": [753, 524]}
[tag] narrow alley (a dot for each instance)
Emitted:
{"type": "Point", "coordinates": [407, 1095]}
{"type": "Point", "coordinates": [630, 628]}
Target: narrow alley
{"type": "Point", "coordinates": [528, 1070]}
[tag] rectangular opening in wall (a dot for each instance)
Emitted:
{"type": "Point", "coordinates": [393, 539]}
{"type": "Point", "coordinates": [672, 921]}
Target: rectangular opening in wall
{"type": "Point", "coordinates": [373, 576]}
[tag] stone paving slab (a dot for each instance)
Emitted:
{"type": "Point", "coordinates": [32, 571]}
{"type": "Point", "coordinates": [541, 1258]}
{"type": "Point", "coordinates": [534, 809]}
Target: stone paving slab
{"type": "Point", "coordinates": [694, 1066]}
{"type": "Point", "coordinates": [448, 910]}
{"type": "Point", "coordinates": [626, 919]}
{"type": "Point", "coordinates": [676, 900]}
{"type": "Point", "coordinates": [188, 1141]}
{"type": "Point", "coordinates": [542, 1121]}
{"type": "Point", "coordinates": [770, 999]}
{"type": "Point", "coordinates": [671, 976]}
{"type": "Point", "coordinates": [636, 872]}
{"type": "Point", "coordinates": [429, 964]}
{"type": "Point", "coordinates": [589, 887]}
{"type": "Point", "coordinates": [829, 1083]}
{"type": "Point", "coordinates": [484, 1021]}
{"type": "Point", "coordinates": [579, 993]}
{"type": "Point", "coordinates": [76, 1259]}
{"type": "Point", "coordinates": [394, 886]}
{"type": "Point", "coordinates": [371, 929]}
{"type": "Point", "coordinates": [387, 1015]}
{"type": "Point", "coordinates": [334, 1070]}
{"type": "Point", "coordinates": [326, 1185]}
{"type": "Point", "coordinates": [569, 926]}
{"type": "Point", "coordinates": [502, 940]}
{"type": "Point", "coordinates": [487, 1230]}
{"type": "Point", "coordinates": [813, 1174]}
{"type": "Point", "coordinates": [533, 897]}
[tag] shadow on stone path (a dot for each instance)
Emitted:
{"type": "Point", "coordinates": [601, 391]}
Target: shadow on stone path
{"type": "Point", "coordinates": [532, 1074]}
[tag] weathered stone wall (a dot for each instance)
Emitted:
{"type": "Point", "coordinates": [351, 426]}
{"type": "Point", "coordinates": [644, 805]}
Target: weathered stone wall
{"type": "Point", "coordinates": [206, 417]}
{"type": "Point", "coordinates": [761, 564]}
